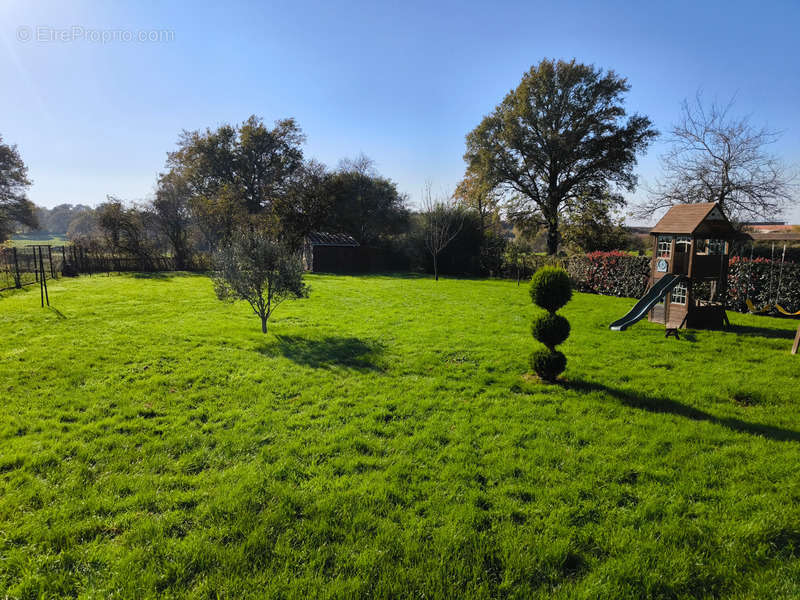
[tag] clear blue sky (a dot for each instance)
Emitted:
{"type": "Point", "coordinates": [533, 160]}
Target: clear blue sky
{"type": "Point", "coordinates": [402, 82]}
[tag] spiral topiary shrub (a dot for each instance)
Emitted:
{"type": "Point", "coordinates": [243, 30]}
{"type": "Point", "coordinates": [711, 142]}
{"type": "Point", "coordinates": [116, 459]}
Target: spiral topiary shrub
{"type": "Point", "coordinates": [550, 329]}
{"type": "Point", "coordinates": [548, 364]}
{"type": "Point", "coordinates": [551, 289]}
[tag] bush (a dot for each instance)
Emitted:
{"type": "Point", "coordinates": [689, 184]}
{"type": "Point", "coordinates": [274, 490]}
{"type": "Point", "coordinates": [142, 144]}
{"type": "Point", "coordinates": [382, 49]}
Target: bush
{"type": "Point", "coordinates": [610, 273]}
{"type": "Point", "coordinates": [550, 329]}
{"type": "Point", "coordinates": [548, 364]}
{"type": "Point", "coordinates": [551, 288]}
{"type": "Point", "coordinates": [758, 280]}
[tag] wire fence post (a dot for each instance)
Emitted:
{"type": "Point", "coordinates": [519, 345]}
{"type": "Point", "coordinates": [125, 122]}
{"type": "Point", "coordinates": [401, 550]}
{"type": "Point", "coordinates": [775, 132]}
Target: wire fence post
{"type": "Point", "coordinates": [44, 279]}
{"type": "Point", "coordinates": [35, 265]}
{"type": "Point", "coordinates": [17, 278]}
{"type": "Point", "coordinates": [50, 258]}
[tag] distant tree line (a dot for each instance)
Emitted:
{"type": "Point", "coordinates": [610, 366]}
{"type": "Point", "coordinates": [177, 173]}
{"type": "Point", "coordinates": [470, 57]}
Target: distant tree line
{"type": "Point", "coordinates": [545, 172]}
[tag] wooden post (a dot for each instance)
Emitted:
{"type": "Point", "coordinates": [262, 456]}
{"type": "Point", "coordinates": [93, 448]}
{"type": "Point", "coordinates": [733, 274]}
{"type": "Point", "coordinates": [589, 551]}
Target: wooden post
{"type": "Point", "coordinates": [796, 341]}
{"type": "Point", "coordinates": [35, 265]}
{"type": "Point", "coordinates": [17, 278]}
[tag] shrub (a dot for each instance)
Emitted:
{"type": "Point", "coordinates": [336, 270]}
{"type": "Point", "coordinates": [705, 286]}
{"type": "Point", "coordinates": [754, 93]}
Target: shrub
{"type": "Point", "coordinates": [610, 273]}
{"type": "Point", "coordinates": [763, 282]}
{"type": "Point", "coordinates": [548, 364]}
{"type": "Point", "coordinates": [551, 288]}
{"type": "Point", "coordinates": [550, 329]}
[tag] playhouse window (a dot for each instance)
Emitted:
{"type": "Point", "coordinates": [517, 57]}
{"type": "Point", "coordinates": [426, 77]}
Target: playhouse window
{"type": "Point", "coordinates": [716, 246]}
{"type": "Point", "coordinates": [678, 295]}
{"type": "Point", "coordinates": [683, 243]}
{"type": "Point", "coordinates": [664, 246]}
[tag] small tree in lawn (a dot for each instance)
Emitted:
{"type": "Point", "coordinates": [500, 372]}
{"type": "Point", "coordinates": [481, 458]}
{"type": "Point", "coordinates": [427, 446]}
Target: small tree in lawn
{"type": "Point", "coordinates": [256, 267]}
{"type": "Point", "coordinates": [442, 220]}
{"type": "Point", "coordinates": [550, 289]}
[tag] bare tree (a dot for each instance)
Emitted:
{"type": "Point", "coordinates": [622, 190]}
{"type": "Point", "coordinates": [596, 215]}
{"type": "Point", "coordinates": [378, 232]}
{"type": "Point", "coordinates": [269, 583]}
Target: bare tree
{"type": "Point", "coordinates": [442, 221]}
{"type": "Point", "coordinates": [715, 157]}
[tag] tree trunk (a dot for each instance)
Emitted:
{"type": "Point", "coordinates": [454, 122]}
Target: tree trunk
{"type": "Point", "coordinates": [552, 238]}
{"type": "Point", "coordinates": [436, 267]}
{"type": "Point", "coordinates": [179, 260]}
{"type": "Point", "coordinates": [263, 324]}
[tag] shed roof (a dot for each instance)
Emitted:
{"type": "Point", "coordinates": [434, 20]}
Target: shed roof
{"type": "Point", "coordinates": [323, 238]}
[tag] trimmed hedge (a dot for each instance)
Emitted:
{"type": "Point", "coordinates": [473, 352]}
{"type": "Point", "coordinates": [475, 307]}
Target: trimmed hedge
{"type": "Point", "coordinates": [620, 274]}
{"type": "Point", "coordinates": [610, 273]}
{"type": "Point", "coordinates": [759, 280]}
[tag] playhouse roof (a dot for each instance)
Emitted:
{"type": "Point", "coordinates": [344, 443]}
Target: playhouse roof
{"type": "Point", "coordinates": [689, 219]}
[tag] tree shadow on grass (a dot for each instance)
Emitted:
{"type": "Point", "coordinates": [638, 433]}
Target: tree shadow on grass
{"type": "Point", "coordinates": [327, 352]}
{"type": "Point", "coordinates": [765, 332]}
{"type": "Point", "coordinates": [666, 405]}
{"type": "Point", "coordinates": [155, 276]}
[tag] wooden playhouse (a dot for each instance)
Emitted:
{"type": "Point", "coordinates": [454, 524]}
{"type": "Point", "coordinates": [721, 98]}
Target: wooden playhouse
{"type": "Point", "coordinates": [691, 244]}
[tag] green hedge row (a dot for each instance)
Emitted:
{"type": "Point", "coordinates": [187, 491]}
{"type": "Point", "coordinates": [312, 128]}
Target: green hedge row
{"type": "Point", "coordinates": [625, 275]}
{"type": "Point", "coordinates": [765, 282]}
{"type": "Point", "coordinates": [610, 273]}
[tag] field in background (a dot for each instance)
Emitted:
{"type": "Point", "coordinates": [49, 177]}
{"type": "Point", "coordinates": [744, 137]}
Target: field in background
{"type": "Point", "coordinates": [380, 441]}
{"type": "Point", "coordinates": [33, 239]}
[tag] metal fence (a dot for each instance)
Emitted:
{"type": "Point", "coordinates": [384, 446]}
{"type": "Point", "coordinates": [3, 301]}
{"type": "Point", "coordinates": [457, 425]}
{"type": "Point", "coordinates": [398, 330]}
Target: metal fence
{"type": "Point", "coordinates": [26, 265]}
{"type": "Point", "coordinates": [78, 259]}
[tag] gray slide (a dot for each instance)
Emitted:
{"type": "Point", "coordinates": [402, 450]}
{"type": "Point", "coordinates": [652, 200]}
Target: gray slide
{"type": "Point", "coordinates": [648, 301]}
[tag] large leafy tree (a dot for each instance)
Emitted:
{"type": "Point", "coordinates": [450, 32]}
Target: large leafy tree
{"type": "Point", "coordinates": [561, 136]}
{"type": "Point", "coordinates": [126, 230]}
{"type": "Point", "coordinates": [172, 215]}
{"type": "Point", "coordinates": [595, 227]}
{"type": "Point", "coordinates": [14, 204]}
{"type": "Point", "coordinates": [306, 205]}
{"type": "Point", "coordinates": [236, 171]}
{"type": "Point", "coordinates": [364, 204]}
{"type": "Point", "coordinates": [482, 196]}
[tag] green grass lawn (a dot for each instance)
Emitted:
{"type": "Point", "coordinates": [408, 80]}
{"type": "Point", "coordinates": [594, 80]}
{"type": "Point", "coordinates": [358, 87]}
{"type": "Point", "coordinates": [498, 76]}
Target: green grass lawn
{"type": "Point", "coordinates": [381, 441]}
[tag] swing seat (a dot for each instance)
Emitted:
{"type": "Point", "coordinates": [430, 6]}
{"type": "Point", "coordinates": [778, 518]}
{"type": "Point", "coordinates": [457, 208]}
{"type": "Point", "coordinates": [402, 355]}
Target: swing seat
{"type": "Point", "coordinates": [757, 311]}
{"type": "Point", "coordinates": [786, 312]}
